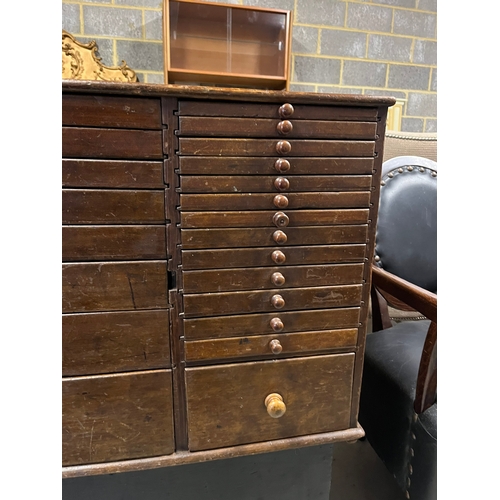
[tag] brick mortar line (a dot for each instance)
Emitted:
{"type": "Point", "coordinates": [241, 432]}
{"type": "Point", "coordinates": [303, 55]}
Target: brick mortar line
{"type": "Point", "coordinates": [354, 30]}
{"type": "Point", "coordinates": [120, 39]}
{"type": "Point", "coordinates": [362, 87]}
{"type": "Point", "coordinates": [393, 7]}
{"type": "Point", "coordinates": [377, 61]}
{"type": "Point", "coordinates": [112, 6]}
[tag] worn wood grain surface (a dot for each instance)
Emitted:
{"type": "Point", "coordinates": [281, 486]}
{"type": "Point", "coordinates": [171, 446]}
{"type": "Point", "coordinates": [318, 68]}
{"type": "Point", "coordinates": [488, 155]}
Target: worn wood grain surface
{"type": "Point", "coordinates": [114, 286]}
{"type": "Point", "coordinates": [117, 417]}
{"type": "Point", "coordinates": [226, 402]}
{"type": "Point", "coordinates": [115, 342]}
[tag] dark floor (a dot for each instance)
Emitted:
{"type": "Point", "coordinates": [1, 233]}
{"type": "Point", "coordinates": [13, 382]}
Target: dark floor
{"type": "Point", "coordinates": [329, 472]}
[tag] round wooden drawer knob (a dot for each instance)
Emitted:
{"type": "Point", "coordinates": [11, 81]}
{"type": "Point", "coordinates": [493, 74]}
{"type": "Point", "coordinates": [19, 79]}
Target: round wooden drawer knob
{"type": "Point", "coordinates": [283, 147]}
{"type": "Point", "coordinates": [278, 301]}
{"type": "Point", "coordinates": [280, 237]}
{"type": "Point", "coordinates": [281, 183]}
{"type": "Point", "coordinates": [276, 324]}
{"type": "Point", "coordinates": [275, 405]}
{"type": "Point", "coordinates": [284, 127]}
{"type": "Point", "coordinates": [275, 346]}
{"type": "Point", "coordinates": [277, 279]}
{"type": "Point", "coordinates": [286, 110]}
{"type": "Point", "coordinates": [282, 165]}
{"type": "Point", "coordinates": [278, 257]}
{"type": "Point", "coordinates": [280, 219]}
{"type": "Point", "coordinates": [280, 201]}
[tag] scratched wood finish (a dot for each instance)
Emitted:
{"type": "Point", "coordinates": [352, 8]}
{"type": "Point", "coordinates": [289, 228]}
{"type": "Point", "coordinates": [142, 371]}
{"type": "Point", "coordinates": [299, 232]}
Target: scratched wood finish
{"type": "Point", "coordinates": [325, 217]}
{"type": "Point", "coordinates": [96, 343]}
{"type": "Point", "coordinates": [261, 184]}
{"type": "Point", "coordinates": [114, 286]}
{"type": "Point", "coordinates": [109, 206]}
{"type": "Point", "coordinates": [194, 126]}
{"type": "Point", "coordinates": [236, 238]}
{"type": "Point", "coordinates": [226, 402]}
{"type": "Point", "coordinates": [260, 278]}
{"type": "Point", "coordinates": [210, 165]}
{"type": "Point", "coordinates": [260, 345]}
{"type": "Point", "coordinates": [261, 110]}
{"type": "Point", "coordinates": [214, 304]}
{"type": "Point", "coordinates": [112, 174]}
{"type": "Point", "coordinates": [117, 417]}
{"type": "Point", "coordinates": [267, 147]}
{"type": "Point", "coordinates": [245, 257]}
{"type": "Point", "coordinates": [266, 201]}
{"type": "Point", "coordinates": [260, 324]}
{"type": "Point", "coordinates": [107, 156]}
{"type": "Point", "coordinates": [78, 142]}
{"type": "Point", "coordinates": [111, 111]}
{"type": "Point", "coordinates": [85, 243]}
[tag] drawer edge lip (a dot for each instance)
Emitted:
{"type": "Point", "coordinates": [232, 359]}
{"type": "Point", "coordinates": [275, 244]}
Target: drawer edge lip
{"type": "Point", "coordinates": [187, 457]}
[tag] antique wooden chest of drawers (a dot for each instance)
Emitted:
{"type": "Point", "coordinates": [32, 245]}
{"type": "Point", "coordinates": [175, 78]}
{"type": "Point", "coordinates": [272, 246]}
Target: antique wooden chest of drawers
{"type": "Point", "coordinates": [216, 269]}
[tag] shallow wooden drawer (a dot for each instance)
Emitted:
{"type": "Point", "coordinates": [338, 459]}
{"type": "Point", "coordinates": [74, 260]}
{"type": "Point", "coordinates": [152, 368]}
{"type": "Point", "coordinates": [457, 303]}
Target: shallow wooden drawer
{"type": "Point", "coordinates": [112, 174]}
{"type": "Point", "coordinates": [289, 299]}
{"type": "Point", "coordinates": [265, 201]}
{"type": "Point", "coordinates": [111, 143]}
{"type": "Point", "coordinates": [117, 417]}
{"type": "Point", "coordinates": [260, 110]}
{"type": "Point", "coordinates": [249, 257]}
{"type": "Point", "coordinates": [115, 342]}
{"type": "Point", "coordinates": [195, 126]}
{"type": "Point", "coordinates": [114, 286]}
{"type": "Point", "coordinates": [270, 346]}
{"type": "Point", "coordinates": [256, 237]}
{"type": "Point", "coordinates": [268, 147]}
{"type": "Point", "coordinates": [259, 278]}
{"type": "Point", "coordinates": [274, 184]}
{"type": "Point", "coordinates": [111, 111]}
{"type": "Point", "coordinates": [225, 404]}
{"type": "Point", "coordinates": [83, 243]}
{"type": "Point", "coordinates": [112, 206]}
{"type": "Point", "coordinates": [265, 323]}
{"type": "Point", "coordinates": [220, 165]}
{"type": "Point", "coordinates": [273, 218]}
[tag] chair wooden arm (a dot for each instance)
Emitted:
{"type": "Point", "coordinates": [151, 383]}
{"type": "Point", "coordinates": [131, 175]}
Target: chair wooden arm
{"type": "Point", "coordinates": [422, 300]}
{"type": "Point", "coordinates": [426, 303]}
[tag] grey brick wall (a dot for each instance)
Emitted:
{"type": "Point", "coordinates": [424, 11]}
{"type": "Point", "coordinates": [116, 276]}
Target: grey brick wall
{"type": "Point", "coordinates": [372, 47]}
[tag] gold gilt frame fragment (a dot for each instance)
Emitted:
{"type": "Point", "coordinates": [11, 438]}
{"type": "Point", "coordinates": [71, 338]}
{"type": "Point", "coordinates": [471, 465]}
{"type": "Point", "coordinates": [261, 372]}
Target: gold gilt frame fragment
{"type": "Point", "coordinates": [80, 62]}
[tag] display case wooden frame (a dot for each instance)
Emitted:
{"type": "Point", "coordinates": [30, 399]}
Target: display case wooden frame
{"type": "Point", "coordinates": [226, 45]}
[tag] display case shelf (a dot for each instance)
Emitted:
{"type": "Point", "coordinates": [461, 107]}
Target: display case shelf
{"type": "Point", "coordinates": [228, 45]}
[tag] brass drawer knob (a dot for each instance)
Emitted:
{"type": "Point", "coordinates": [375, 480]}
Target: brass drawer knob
{"type": "Point", "coordinates": [277, 279]}
{"type": "Point", "coordinates": [281, 183]}
{"type": "Point", "coordinates": [280, 201]}
{"type": "Point", "coordinates": [284, 127]}
{"type": "Point", "coordinates": [275, 346]}
{"type": "Point", "coordinates": [283, 147]}
{"type": "Point", "coordinates": [280, 219]}
{"type": "Point", "coordinates": [286, 110]}
{"type": "Point", "coordinates": [276, 324]}
{"type": "Point", "coordinates": [278, 301]}
{"type": "Point", "coordinates": [282, 165]}
{"type": "Point", "coordinates": [278, 257]}
{"type": "Point", "coordinates": [275, 405]}
{"type": "Point", "coordinates": [280, 237]}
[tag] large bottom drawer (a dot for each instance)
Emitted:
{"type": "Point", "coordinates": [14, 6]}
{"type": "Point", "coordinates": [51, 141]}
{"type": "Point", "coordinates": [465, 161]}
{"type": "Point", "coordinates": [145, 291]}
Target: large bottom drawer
{"type": "Point", "coordinates": [117, 417]}
{"type": "Point", "coordinates": [226, 404]}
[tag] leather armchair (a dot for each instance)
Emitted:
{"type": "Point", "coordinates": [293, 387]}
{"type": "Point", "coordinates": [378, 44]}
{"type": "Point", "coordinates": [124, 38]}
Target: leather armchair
{"type": "Point", "coordinates": [398, 407]}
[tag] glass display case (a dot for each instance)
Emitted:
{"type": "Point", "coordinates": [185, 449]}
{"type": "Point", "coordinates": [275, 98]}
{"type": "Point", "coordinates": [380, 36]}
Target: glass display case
{"type": "Point", "coordinates": [228, 45]}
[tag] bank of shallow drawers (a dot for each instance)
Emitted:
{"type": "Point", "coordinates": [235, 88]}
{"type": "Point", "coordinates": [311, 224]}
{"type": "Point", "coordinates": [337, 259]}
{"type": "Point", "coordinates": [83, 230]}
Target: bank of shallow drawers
{"type": "Point", "coordinates": [216, 266]}
{"type": "Point", "coordinates": [274, 203]}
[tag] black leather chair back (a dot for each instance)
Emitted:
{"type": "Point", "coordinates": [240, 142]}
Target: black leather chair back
{"type": "Point", "coordinates": [406, 238]}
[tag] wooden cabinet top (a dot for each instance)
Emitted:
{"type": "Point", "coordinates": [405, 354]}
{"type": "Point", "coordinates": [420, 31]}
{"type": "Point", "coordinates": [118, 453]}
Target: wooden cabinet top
{"type": "Point", "coordinates": [200, 92]}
